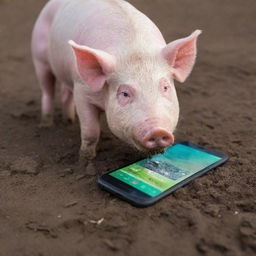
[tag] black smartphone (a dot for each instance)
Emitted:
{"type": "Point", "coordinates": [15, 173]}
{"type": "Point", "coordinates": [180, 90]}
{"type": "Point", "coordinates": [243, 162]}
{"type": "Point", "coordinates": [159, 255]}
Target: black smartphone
{"type": "Point", "coordinates": [149, 180]}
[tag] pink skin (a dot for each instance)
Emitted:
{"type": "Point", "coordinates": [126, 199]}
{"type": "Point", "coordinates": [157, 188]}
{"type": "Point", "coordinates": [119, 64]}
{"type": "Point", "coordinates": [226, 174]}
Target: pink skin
{"type": "Point", "coordinates": [153, 134]}
{"type": "Point", "coordinates": [158, 138]}
{"type": "Point", "coordinates": [116, 61]}
{"type": "Point", "coordinates": [148, 134]}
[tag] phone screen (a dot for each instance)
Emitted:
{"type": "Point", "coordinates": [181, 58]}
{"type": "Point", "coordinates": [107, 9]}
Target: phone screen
{"type": "Point", "coordinates": [158, 174]}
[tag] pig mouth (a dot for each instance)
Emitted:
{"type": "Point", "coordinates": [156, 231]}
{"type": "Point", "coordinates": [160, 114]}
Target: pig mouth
{"type": "Point", "coordinates": [149, 153]}
{"type": "Point", "coordinates": [152, 152]}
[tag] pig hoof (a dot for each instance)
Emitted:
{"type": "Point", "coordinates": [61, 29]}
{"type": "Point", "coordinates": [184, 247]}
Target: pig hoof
{"type": "Point", "coordinates": [87, 167]}
{"type": "Point", "coordinates": [83, 163]}
{"type": "Point", "coordinates": [91, 169]}
{"type": "Point", "coordinates": [46, 121]}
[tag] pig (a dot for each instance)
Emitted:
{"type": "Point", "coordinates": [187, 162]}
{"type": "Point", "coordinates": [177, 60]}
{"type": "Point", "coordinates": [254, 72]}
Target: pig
{"type": "Point", "coordinates": [109, 57]}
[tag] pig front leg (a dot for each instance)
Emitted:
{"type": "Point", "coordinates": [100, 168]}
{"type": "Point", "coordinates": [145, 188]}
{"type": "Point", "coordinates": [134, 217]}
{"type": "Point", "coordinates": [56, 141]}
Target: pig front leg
{"type": "Point", "coordinates": [90, 133]}
{"type": "Point", "coordinates": [89, 117]}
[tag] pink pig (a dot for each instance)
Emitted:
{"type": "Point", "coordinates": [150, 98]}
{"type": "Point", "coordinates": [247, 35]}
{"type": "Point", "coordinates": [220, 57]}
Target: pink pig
{"type": "Point", "coordinates": [110, 57]}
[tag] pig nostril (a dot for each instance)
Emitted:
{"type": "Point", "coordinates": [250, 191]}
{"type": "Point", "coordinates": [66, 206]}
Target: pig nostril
{"type": "Point", "coordinates": [157, 138]}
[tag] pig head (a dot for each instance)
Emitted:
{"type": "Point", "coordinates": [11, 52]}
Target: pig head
{"type": "Point", "coordinates": [140, 99]}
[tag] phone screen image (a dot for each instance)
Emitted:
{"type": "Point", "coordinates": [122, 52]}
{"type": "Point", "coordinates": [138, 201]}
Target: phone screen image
{"type": "Point", "coordinates": [158, 174]}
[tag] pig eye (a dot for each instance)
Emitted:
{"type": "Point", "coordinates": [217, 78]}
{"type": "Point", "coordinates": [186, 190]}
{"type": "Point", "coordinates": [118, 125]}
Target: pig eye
{"type": "Point", "coordinates": [125, 94]}
{"type": "Point", "coordinates": [166, 88]}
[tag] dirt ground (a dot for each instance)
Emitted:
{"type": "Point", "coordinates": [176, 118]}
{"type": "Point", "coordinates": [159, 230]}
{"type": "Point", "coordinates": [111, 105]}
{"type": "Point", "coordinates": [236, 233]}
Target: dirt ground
{"type": "Point", "coordinates": [47, 207]}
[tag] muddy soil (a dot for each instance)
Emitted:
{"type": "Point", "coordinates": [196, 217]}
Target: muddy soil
{"type": "Point", "coordinates": [47, 207]}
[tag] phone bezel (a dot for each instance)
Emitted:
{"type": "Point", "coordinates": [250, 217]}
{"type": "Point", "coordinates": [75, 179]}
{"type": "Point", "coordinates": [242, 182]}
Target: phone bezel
{"type": "Point", "coordinates": [140, 199]}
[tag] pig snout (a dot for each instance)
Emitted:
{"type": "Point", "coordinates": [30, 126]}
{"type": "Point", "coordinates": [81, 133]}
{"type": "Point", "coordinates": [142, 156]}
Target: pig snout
{"type": "Point", "coordinates": [157, 138]}
{"type": "Point", "coordinates": [153, 136]}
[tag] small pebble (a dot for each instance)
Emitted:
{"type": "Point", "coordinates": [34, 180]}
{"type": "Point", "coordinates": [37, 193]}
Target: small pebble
{"type": "Point", "coordinates": [98, 222]}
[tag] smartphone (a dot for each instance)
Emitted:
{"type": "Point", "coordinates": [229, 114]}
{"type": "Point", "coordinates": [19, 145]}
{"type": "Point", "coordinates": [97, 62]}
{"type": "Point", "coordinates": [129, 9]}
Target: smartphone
{"type": "Point", "coordinates": [145, 182]}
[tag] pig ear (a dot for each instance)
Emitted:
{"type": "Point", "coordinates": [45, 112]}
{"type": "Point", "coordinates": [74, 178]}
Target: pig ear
{"type": "Point", "coordinates": [181, 55]}
{"type": "Point", "coordinates": [93, 65]}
